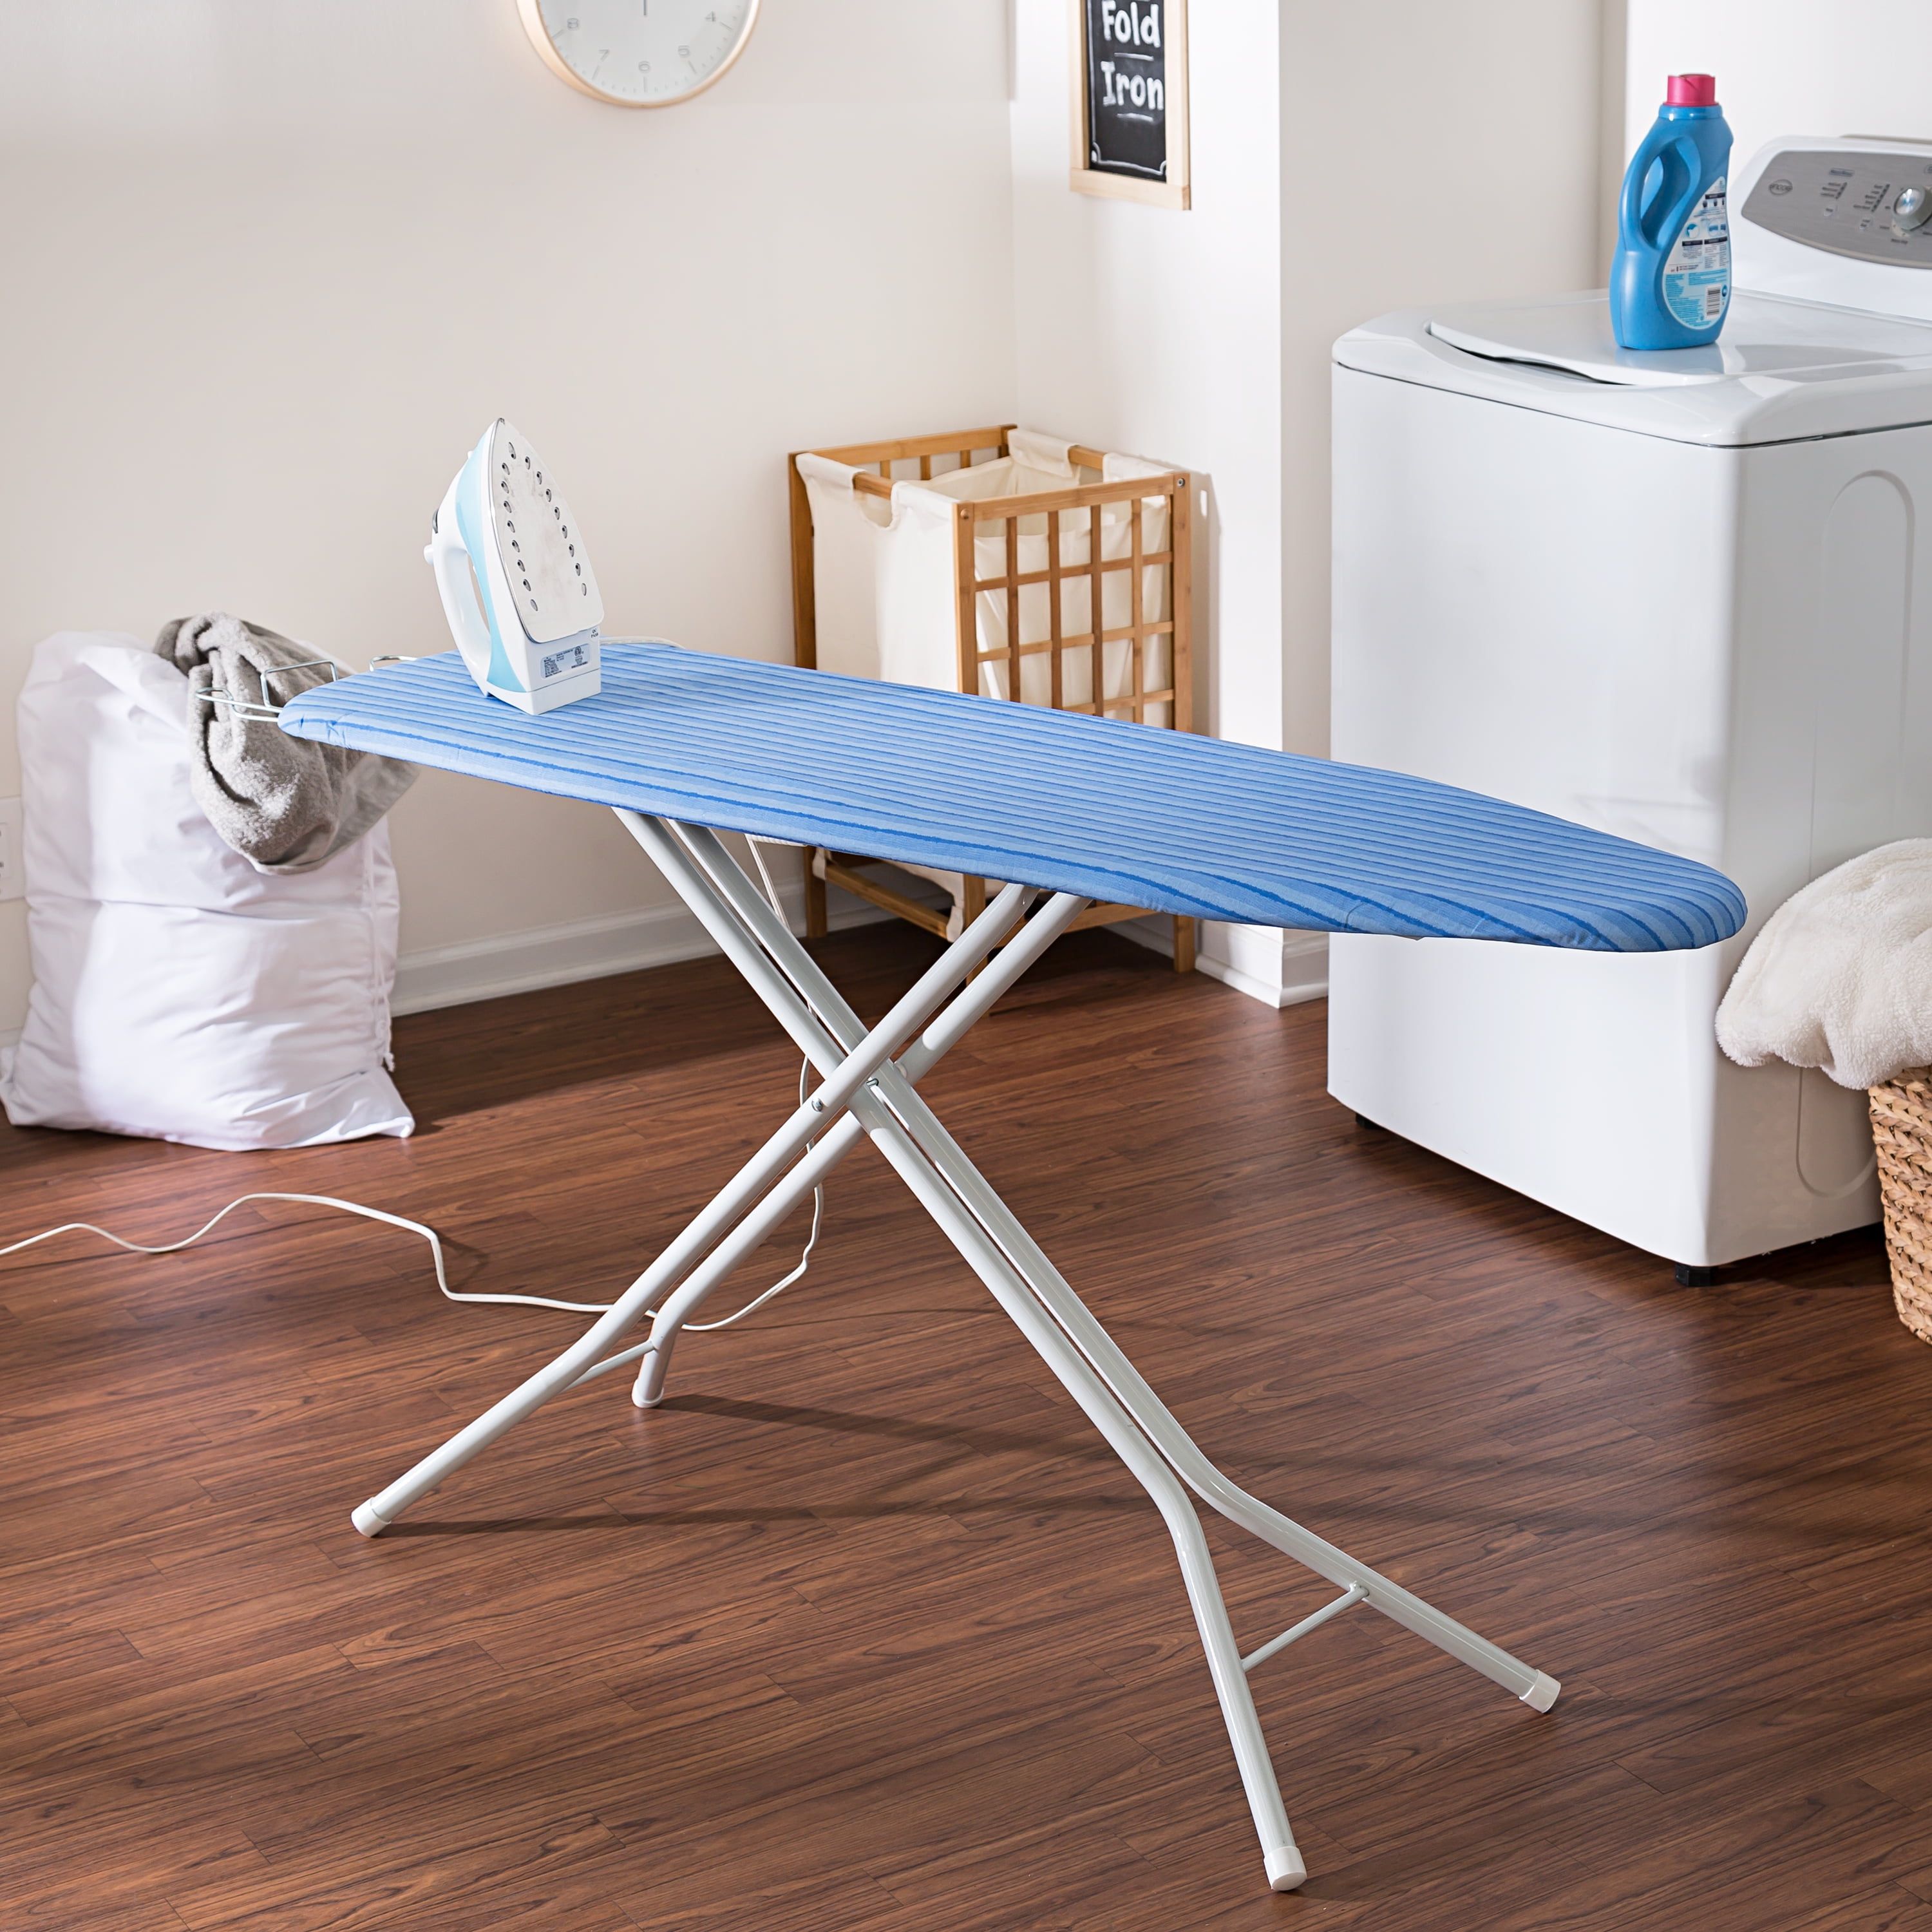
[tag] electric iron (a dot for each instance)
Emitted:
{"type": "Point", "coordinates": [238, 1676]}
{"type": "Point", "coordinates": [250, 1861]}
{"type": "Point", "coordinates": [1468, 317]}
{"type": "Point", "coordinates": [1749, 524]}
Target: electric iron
{"type": "Point", "coordinates": [516, 585]}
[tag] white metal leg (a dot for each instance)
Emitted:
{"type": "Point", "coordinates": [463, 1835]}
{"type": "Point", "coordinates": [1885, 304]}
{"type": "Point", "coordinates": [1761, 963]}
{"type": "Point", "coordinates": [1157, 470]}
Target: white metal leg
{"type": "Point", "coordinates": [701, 877]}
{"type": "Point", "coordinates": [1099, 1348]}
{"type": "Point", "coordinates": [946, 1031]}
{"type": "Point", "coordinates": [866, 1091]}
{"type": "Point", "coordinates": [1285, 1870]}
{"type": "Point", "coordinates": [919, 1148]}
{"type": "Point", "coordinates": [761, 1173]}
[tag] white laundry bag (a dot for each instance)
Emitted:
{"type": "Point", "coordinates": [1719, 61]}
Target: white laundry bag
{"type": "Point", "coordinates": [179, 993]}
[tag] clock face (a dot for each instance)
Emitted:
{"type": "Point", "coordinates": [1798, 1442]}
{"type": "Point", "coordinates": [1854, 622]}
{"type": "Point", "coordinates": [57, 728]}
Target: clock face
{"type": "Point", "coordinates": [639, 53]}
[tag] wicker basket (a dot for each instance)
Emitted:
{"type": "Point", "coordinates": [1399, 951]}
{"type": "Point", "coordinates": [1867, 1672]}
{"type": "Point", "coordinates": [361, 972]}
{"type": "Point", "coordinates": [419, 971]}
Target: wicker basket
{"type": "Point", "coordinates": [1901, 1116]}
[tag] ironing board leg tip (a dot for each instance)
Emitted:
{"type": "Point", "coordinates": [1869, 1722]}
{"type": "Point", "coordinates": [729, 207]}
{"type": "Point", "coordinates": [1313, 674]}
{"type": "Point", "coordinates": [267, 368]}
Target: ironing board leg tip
{"type": "Point", "coordinates": [1542, 1693]}
{"type": "Point", "coordinates": [365, 1519]}
{"type": "Point", "coordinates": [647, 1390]}
{"type": "Point", "coordinates": [1286, 1871]}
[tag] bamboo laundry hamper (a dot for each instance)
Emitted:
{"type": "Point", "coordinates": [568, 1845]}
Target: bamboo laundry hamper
{"type": "Point", "coordinates": [976, 561]}
{"type": "Point", "coordinates": [1901, 1117]}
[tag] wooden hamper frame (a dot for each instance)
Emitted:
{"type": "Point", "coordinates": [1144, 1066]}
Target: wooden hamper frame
{"type": "Point", "coordinates": [963, 447]}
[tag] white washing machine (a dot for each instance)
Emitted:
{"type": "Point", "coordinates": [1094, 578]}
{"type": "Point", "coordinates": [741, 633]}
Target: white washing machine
{"type": "Point", "coordinates": [1686, 597]}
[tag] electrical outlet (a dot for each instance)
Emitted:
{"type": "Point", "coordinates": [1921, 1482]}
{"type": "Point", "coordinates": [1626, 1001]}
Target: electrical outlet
{"type": "Point", "coordinates": [12, 879]}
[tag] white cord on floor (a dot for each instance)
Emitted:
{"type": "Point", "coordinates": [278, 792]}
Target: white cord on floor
{"type": "Point", "coordinates": [436, 1246]}
{"type": "Point", "coordinates": [436, 1252]}
{"type": "Point", "coordinates": [188, 1241]}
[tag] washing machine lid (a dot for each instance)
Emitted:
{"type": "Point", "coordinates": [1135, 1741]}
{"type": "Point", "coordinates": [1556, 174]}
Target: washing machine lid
{"type": "Point", "coordinates": [1783, 369]}
{"type": "Point", "coordinates": [1829, 334]}
{"type": "Point", "coordinates": [1763, 336]}
{"type": "Point", "coordinates": [1830, 330]}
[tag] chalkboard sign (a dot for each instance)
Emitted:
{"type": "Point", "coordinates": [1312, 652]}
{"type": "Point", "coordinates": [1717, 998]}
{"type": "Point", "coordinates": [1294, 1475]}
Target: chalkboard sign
{"type": "Point", "coordinates": [1129, 100]}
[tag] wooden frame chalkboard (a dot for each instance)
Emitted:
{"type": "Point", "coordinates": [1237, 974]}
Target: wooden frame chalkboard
{"type": "Point", "coordinates": [1128, 103]}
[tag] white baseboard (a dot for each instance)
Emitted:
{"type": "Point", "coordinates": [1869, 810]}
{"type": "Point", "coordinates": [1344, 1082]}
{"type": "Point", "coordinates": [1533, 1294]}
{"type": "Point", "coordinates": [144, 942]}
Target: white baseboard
{"type": "Point", "coordinates": [626, 942]}
{"type": "Point", "coordinates": [1304, 962]}
{"type": "Point", "coordinates": [584, 948]}
{"type": "Point", "coordinates": [1304, 972]}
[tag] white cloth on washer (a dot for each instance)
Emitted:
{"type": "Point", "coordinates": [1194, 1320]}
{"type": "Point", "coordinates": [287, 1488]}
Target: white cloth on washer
{"type": "Point", "coordinates": [1840, 976]}
{"type": "Point", "coordinates": [180, 992]}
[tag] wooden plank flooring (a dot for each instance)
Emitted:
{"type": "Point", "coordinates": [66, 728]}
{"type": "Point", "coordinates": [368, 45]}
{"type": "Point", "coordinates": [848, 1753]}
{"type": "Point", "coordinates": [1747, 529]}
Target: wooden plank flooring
{"type": "Point", "coordinates": [863, 1631]}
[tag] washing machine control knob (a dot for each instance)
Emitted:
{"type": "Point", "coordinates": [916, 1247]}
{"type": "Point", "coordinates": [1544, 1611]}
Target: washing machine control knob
{"type": "Point", "coordinates": [1912, 209]}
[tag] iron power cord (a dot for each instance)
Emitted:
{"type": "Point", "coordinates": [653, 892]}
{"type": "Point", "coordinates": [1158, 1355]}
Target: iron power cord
{"type": "Point", "coordinates": [429, 1233]}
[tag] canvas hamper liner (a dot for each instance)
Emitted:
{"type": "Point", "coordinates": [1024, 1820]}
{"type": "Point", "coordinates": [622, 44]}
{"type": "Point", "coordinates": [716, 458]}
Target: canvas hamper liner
{"type": "Point", "coordinates": [884, 573]}
{"type": "Point", "coordinates": [1003, 563]}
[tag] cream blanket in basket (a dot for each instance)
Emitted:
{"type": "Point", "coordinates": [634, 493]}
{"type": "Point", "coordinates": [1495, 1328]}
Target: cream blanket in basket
{"type": "Point", "coordinates": [1841, 977]}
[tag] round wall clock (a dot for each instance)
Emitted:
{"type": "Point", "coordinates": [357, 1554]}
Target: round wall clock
{"type": "Point", "coordinates": [639, 53]}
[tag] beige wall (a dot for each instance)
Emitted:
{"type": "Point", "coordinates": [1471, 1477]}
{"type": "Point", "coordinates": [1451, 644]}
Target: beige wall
{"type": "Point", "coordinates": [1145, 329]}
{"type": "Point", "coordinates": [271, 265]}
{"type": "Point", "coordinates": [1347, 159]}
{"type": "Point", "coordinates": [1148, 330]}
{"type": "Point", "coordinates": [1786, 67]}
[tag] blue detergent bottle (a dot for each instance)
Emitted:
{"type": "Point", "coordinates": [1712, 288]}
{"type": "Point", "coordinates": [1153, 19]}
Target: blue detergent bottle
{"type": "Point", "coordinates": [1670, 285]}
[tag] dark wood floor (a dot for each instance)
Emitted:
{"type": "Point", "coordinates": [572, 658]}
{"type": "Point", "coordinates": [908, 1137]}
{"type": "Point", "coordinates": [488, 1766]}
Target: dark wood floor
{"type": "Point", "coordinates": [863, 1631]}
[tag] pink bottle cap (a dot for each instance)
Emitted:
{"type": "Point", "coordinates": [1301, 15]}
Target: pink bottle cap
{"type": "Point", "coordinates": [1691, 90]}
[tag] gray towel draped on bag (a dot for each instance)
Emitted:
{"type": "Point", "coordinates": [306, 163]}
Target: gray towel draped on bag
{"type": "Point", "coordinates": [285, 804]}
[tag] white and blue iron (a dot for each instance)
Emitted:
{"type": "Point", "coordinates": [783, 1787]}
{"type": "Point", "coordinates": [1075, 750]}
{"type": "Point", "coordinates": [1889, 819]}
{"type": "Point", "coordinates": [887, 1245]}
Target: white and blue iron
{"type": "Point", "coordinates": [516, 584]}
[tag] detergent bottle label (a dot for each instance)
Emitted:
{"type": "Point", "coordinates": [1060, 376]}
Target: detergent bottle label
{"type": "Point", "coordinates": [1697, 277]}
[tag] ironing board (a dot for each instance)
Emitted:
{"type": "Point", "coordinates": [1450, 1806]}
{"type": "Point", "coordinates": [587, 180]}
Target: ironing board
{"type": "Point", "coordinates": [1069, 809]}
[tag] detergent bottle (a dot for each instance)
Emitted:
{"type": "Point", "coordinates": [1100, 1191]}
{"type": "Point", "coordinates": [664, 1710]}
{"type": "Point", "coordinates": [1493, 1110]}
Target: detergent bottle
{"type": "Point", "coordinates": [1671, 283]}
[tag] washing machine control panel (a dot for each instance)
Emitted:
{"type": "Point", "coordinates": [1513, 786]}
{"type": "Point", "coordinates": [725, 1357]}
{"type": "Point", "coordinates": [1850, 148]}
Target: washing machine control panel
{"type": "Point", "coordinates": [1850, 201]}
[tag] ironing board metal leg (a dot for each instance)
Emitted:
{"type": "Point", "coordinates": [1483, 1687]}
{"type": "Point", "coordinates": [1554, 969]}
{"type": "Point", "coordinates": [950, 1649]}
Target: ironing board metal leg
{"type": "Point", "coordinates": [1188, 1460]}
{"type": "Point", "coordinates": [866, 1091]}
{"type": "Point", "coordinates": [1180, 1450]}
{"type": "Point", "coordinates": [952, 1025]}
{"type": "Point", "coordinates": [654, 1355]}
{"type": "Point", "coordinates": [375, 1516]}
{"type": "Point", "coordinates": [757, 1177]}
{"type": "Point", "coordinates": [1108, 1360]}
{"type": "Point", "coordinates": [704, 873]}
{"type": "Point", "coordinates": [689, 879]}
{"type": "Point", "coordinates": [654, 1352]}
{"type": "Point", "coordinates": [935, 1150]}
{"type": "Point", "coordinates": [1283, 1862]}
{"type": "Point", "coordinates": [757, 1228]}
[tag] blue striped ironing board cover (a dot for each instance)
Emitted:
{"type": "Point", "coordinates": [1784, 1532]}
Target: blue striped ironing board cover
{"type": "Point", "coordinates": [1111, 810]}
